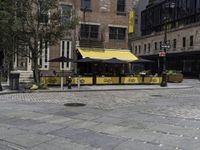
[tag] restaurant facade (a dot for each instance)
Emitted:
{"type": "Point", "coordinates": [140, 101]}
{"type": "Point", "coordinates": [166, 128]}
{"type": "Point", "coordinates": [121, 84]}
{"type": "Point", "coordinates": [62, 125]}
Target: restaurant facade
{"type": "Point", "coordinates": [102, 33]}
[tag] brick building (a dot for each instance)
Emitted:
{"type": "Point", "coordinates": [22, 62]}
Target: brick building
{"type": "Point", "coordinates": [103, 24]}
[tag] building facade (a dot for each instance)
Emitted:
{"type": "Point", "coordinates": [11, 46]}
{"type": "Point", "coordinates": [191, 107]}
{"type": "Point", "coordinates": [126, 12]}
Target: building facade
{"type": "Point", "coordinates": [103, 24]}
{"type": "Point", "coordinates": [183, 32]}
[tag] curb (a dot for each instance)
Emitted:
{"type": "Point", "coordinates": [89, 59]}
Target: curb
{"type": "Point", "coordinates": [94, 90]}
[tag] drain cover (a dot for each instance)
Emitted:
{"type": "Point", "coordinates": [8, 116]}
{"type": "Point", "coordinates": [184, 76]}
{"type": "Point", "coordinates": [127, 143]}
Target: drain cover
{"type": "Point", "coordinates": [75, 104]}
{"type": "Point", "coordinates": [156, 95]}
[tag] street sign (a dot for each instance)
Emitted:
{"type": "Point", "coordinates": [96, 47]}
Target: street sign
{"type": "Point", "coordinates": [165, 46]}
{"type": "Point", "coordinates": [162, 54]}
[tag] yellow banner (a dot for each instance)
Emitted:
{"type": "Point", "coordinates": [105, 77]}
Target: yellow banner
{"type": "Point", "coordinates": [52, 80]}
{"type": "Point", "coordinates": [131, 80]}
{"type": "Point", "coordinates": [83, 80]}
{"type": "Point", "coordinates": [107, 80]}
{"type": "Point", "coordinates": [152, 80]}
{"type": "Point", "coordinates": [131, 21]}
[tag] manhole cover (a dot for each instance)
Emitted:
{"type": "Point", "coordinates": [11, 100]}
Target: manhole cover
{"type": "Point", "coordinates": [74, 104]}
{"type": "Point", "coordinates": [157, 95]}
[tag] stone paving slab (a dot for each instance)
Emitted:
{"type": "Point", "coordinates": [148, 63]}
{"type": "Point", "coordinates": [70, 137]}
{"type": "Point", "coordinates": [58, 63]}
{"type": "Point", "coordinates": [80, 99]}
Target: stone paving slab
{"type": "Point", "coordinates": [62, 144]}
{"type": "Point", "coordinates": [6, 132]}
{"type": "Point", "coordinates": [135, 145]}
{"type": "Point", "coordinates": [29, 140]}
{"type": "Point", "coordinates": [84, 136]}
{"type": "Point", "coordinates": [4, 145]}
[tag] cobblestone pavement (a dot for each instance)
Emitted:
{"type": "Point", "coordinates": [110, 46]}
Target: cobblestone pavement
{"type": "Point", "coordinates": [113, 120]}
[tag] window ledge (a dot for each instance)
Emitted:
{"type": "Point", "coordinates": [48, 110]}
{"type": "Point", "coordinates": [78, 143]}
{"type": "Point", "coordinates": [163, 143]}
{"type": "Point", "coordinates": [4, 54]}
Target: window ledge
{"type": "Point", "coordinates": [120, 13]}
{"type": "Point", "coordinates": [117, 40]}
{"type": "Point", "coordinates": [86, 9]}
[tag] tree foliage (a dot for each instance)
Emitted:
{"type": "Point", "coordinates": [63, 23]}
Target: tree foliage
{"type": "Point", "coordinates": [29, 22]}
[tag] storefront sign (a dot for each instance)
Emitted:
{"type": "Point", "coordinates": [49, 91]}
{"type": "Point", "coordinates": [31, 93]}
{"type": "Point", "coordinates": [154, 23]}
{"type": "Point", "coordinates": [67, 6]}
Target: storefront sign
{"type": "Point", "coordinates": [51, 80]}
{"type": "Point", "coordinates": [130, 80]}
{"type": "Point", "coordinates": [152, 80]}
{"type": "Point", "coordinates": [107, 80]}
{"type": "Point", "coordinates": [83, 80]}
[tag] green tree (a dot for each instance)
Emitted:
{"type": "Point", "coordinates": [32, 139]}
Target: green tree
{"type": "Point", "coordinates": [37, 21]}
{"type": "Point", "coordinates": [5, 31]}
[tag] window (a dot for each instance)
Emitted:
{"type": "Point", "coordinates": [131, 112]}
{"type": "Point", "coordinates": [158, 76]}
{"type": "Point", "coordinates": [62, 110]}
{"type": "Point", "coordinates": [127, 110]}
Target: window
{"type": "Point", "coordinates": [149, 48]}
{"type": "Point", "coordinates": [160, 45]}
{"type": "Point", "coordinates": [89, 31]}
{"type": "Point", "coordinates": [121, 5]}
{"type": "Point", "coordinates": [43, 12]}
{"type": "Point", "coordinates": [156, 47]}
{"type": "Point", "coordinates": [66, 11]}
{"type": "Point", "coordinates": [117, 33]}
{"type": "Point", "coordinates": [174, 43]}
{"type": "Point", "coordinates": [65, 50]}
{"type": "Point", "coordinates": [139, 49]}
{"type": "Point", "coordinates": [136, 49]}
{"type": "Point", "coordinates": [85, 4]}
{"type": "Point", "coordinates": [184, 42]}
{"type": "Point", "coordinates": [44, 54]}
{"type": "Point", "coordinates": [145, 48]}
{"type": "Point", "coordinates": [191, 40]}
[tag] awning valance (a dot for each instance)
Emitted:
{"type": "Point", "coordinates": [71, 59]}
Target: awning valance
{"type": "Point", "coordinates": [104, 54]}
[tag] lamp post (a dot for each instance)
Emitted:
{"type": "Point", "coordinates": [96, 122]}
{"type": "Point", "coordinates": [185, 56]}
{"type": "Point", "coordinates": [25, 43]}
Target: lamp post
{"type": "Point", "coordinates": [165, 46]}
{"type": "Point", "coordinates": [1, 64]}
{"type": "Point", "coordinates": [0, 80]}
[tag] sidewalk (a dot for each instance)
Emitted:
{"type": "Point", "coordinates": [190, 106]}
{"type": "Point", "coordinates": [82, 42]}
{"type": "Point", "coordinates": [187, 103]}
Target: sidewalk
{"type": "Point", "coordinates": [6, 89]}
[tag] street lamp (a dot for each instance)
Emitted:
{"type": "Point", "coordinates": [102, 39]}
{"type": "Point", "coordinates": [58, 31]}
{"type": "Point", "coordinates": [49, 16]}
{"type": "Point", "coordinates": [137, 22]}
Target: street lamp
{"type": "Point", "coordinates": [165, 46]}
{"type": "Point", "coordinates": [0, 81]}
{"type": "Point", "coordinates": [1, 62]}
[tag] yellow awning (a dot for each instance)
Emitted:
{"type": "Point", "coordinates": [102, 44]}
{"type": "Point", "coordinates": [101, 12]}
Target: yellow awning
{"type": "Point", "coordinates": [103, 54]}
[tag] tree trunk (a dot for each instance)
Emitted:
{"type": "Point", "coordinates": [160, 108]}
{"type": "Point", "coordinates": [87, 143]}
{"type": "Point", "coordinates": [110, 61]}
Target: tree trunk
{"type": "Point", "coordinates": [36, 71]}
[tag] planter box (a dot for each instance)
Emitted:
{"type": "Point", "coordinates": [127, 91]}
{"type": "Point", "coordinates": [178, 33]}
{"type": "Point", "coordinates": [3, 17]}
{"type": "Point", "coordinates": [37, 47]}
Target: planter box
{"type": "Point", "coordinates": [175, 78]}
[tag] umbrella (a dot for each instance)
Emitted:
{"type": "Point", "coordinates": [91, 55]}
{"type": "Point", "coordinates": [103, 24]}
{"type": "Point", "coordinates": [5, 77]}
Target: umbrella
{"type": "Point", "coordinates": [87, 59]}
{"type": "Point", "coordinates": [61, 59]}
{"type": "Point", "coordinates": [141, 60]}
{"type": "Point", "coordinates": [114, 61]}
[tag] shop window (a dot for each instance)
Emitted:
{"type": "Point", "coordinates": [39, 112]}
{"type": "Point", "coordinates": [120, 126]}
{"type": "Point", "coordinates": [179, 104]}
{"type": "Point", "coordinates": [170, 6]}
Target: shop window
{"type": "Point", "coordinates": [89, 31]}
{"type": "Point", "coordinates": [117, 33]}
{"type": "Point", "coordinates": [66, 13]}
{"type": "Point", "coordinates": [65, 50]}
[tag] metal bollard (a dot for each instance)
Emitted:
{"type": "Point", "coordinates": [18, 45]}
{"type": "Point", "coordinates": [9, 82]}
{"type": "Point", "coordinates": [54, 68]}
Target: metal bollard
{"type": "Point", "coordinates": [69, 82]}
{"type": "Point", "coordinates": [78, 81]}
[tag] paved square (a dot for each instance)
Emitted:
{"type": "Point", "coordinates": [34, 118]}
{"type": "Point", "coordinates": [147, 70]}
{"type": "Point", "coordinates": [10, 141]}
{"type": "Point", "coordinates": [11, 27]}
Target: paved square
{"type": "Point", "coordinates": [166, 119]}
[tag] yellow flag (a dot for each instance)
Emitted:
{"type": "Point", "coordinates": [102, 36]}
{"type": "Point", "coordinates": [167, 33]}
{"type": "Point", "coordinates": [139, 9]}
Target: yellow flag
{"type": "Point", "coordinates": [131, 21]}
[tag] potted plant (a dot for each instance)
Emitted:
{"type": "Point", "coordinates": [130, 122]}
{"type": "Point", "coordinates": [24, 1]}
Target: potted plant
{"type": "Point", "coordinates": [174, 76]}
